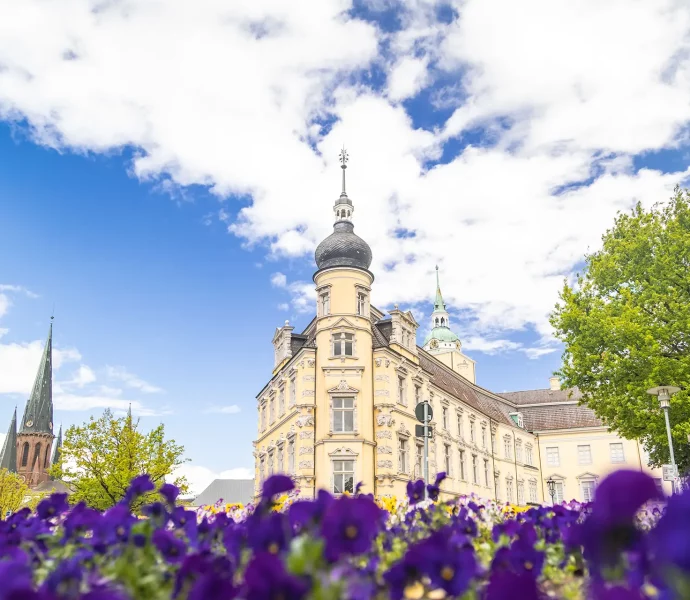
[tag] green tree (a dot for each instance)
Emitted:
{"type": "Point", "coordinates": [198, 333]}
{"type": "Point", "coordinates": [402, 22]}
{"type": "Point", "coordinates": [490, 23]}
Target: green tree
{"type": "Point", "coordinates": [100, 458]}
{"type": "Point", "coordinates": [13, 490]}
{"type": "Point", "coordinates": [626, 326]}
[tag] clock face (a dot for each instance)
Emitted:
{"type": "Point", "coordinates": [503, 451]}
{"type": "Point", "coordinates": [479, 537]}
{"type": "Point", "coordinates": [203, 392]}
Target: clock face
{"type": "Point", "coordinates": [457, 344]}
{"type": "Point", "coordinates": [29, 423]}
{"type": "Point", "coordinates": [434, 343]}
{"type": "Point", "coordinates": [50, 426]}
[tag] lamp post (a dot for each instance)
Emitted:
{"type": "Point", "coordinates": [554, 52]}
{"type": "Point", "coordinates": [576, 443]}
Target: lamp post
{"type": "Point", "coordinates": [552, 489]}
{"type": "Point", "coordinates": [664, 393]}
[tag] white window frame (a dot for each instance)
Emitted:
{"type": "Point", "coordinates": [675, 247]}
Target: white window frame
{"type": "Point", "coordinates": [343, 337]}
{"type": "Point", "coordinates": [341, 398]}
{"type": "Point", "coordinates": [518, 450]}
{"type": "Point", "coordinates": [340, 461]}
{"type": "Point", "coordinates": [529, 454]}
{"type": "Point", "coordinates": [324, 303]}
{"type": "Point", "coordinates": [444, 414]}
{"type": "Point", "coordinates": [484, 436]}
{"type": "Point", "coordinates": [486, 472]}
{"type": "Point", "coordinates": [291, 456]}
{"type": "Point", "coordinates": [271, 460]}
{"type": "Point", "coordinates": [473, 436]}
{"type": "Point", "coordinates": [293, 391]}
{"type": "Point", "coordinates": [281, 401]}
{"type": "Point", "coordinates": [417, 394]}
{"type": "Point", "coordinates": [520, 493]}
{"type": "Point", "coordinates": [507, 447]}
{"type": "Point", "coordinates": [475, 470]}
{"type": "Point", "coordinates": [271, 410]}
{"type": "Point", "coordinates": [463, 469]}
{"type": "Point", "coordinates": [403, 454]}
{"type": "Point", "coordinates": [614, 455]}
{"type": "Point", "coordinates": [402, 389]}
{"type": "Point", "coordinates": [509, 490]}
{"type": "Point", "coordinates": [361, 304]}
{"type": "Point", "coordinates": [460, 425]}
{"type": "Point", "coordinates": [533, 497]}
{"type": "Point", "coordinates": [584, 454]}
{"type": "Point", "coordinates": [553, 458]}
{"type": "Point", "coordinates": [447, 460]}
{"type": "Point", "coordinates": [281, 459]}
{"type": "Point", "coordinates": [419, 460]}
{"type": "Point", "coordinates": [263, 416]}
{"type": "Point", "coordinates": [585, 484]}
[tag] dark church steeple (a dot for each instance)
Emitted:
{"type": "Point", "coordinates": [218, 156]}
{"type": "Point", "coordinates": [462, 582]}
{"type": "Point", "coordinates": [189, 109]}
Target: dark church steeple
{"type": "Point", "coordinates": [8, 457]}
{"type": "Point", "coordinates": [35, 437]}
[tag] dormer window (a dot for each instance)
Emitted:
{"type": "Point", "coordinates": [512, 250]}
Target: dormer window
{"type": "Point", "coordinates": [343, 344]}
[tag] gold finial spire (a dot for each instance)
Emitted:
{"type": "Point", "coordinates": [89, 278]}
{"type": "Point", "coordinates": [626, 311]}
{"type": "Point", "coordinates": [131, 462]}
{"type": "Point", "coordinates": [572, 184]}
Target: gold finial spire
{"type": "Point", "coordinates": [343, 165]}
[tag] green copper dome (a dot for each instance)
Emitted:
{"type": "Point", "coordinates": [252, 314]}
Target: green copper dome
{"type": "Point", "coordinates": [442, 334]}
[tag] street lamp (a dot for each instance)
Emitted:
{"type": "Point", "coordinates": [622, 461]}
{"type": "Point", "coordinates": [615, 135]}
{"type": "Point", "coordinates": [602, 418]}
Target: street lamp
{"type": "Point", "coordinates": [664, 393]}
{"type": "Point", "coordinates": [552, 489]}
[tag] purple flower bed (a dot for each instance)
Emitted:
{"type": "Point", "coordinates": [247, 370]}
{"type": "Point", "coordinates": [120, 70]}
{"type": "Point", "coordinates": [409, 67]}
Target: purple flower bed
{"type": "Point", "coordinates": [348, 547]}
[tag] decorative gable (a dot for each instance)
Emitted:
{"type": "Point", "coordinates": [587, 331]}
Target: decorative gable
{"type": "Point", "coordinates": [281, 343]}
{"type": "Point", "coordinates": [404, 329]}
{"type": "Point", "coordinates": [343, 388]}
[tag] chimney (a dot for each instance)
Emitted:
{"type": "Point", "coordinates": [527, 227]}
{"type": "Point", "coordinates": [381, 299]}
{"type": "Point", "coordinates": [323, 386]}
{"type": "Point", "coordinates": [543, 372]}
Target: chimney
{"type": "Point", "coordinates": [554, 383]}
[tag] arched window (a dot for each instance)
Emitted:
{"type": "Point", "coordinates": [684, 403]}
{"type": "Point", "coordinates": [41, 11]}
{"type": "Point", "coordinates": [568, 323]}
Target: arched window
{"type": "Point", "coordinates": [46, 462]}
{"type": "Point", "coordinates": [443, 321]}
{"type": "Point", "coordinates": [37, 455]}
{"type": "Point", "coordinates": [25, 454]}
{"type": "Point", "coordinates": [436, 321]}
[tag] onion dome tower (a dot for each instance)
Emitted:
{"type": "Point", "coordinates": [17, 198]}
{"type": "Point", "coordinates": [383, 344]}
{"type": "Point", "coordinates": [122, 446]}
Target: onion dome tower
{"type": "Point", "coordinates": [343, 248]}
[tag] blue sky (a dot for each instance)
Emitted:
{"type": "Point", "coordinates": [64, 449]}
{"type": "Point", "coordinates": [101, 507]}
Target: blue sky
{"type": "Point", "coordinates": [167, 203]}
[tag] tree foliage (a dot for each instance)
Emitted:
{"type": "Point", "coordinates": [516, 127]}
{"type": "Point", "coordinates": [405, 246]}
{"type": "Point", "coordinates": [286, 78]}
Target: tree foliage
{"type": "Point", "coordinates": [13, 490]}
{"type": "Point", "coordinates": [100, 458]}
{"type": "Point", "coordinates": [626, 326]}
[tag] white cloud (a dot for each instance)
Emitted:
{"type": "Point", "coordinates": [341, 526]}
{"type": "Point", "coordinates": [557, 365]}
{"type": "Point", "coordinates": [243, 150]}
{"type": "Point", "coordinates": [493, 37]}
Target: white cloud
{"type": "Point", "coordinates": [121, 374]}
{"type": "Point", "coordinates": [563, 94]}
{"type": "Point", "coordinates": [7, 289]}
{"type": "Point", "coordinates": [487, 346]}
{"type": "Point", "coordinates": [199, 478]}
{"type": "Point", "coordinates": [229, 409]}
{"type": "Point", "coordinates": [407, 78]}
{"type": "Point", "coordinates": [283, 306]}
{"type": "Point", "coordinates": [278, 280]}
{"type": "Point", "coordinates": [83, 376]}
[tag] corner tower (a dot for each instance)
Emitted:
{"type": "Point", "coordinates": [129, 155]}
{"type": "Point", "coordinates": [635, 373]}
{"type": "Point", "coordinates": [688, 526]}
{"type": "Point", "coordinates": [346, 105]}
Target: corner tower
{"type": "Point", "coordinates": [35, 437]}
{"type": "Point", "coordinates": [443, 343]}
{"type": "Point", "coordinates": [344, 428]}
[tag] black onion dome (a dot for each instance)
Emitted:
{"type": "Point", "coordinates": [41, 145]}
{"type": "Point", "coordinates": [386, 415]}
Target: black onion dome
{"type": "Point", "coordinates": [343, 249]}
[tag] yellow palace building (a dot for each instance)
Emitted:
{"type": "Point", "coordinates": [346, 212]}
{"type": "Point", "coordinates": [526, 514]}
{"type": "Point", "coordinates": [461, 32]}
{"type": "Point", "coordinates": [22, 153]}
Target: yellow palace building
{"type": "Point", "coordinates": [339, 406]}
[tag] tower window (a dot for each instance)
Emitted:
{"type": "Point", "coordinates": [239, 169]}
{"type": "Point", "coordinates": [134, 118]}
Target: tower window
{"type": "Point", "coordinates": [343, 344]}
{"type": "Point", "coordinates": [37, 455]}
{"type": "Point", "coordinates": [361, 305]}
{"type": "Point", "coordinates": [436, 321]}
{"type": "Point", "coordinates": [443, 321]}
{"type": "Point", "coordinates": [46, 462]}
{"type": "Point", "coordinates": [325, 304]}
{"type": "Point", "coordinates": [25, 454]}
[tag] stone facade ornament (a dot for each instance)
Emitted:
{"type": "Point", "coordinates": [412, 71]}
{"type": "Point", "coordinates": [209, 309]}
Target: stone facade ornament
{"type": "Point", "coordinates": [384, 434]}
{"type": "Point", "coordinates": [308, 392]}
{"type": "Point", "coordinates": [310, 362]}
{"type": "Point", "coordinates": [384, 450]}
{"type": "Point", "coordinates": [382, 378]}
{"type": "Point", "coordinates": [386, 420]}
{"type": "Point", "coordinates": [343, 385]}
{"type": "Point", "coordinates": [306, 450]}
{"type": "Point", "coordinates": [305, 464]}
{"type": "Point", "coordinates": [385, 464]}
{"type": "Point", "coordinates": [381, 393]}
{"type": "Point", "coordinates": [305, 421]}
{"type": "Point", "coordinates": [309, 378]}
{"type": "Point", "coordinates": [306, 435]}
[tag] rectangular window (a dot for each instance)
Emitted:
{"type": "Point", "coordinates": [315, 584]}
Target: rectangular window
{"type": "Point", "coordinates": [325, 304]}
{"type": "Point", "coordinates": [460, 426]}
{"type": "Point", "coordinates": [361, 305]}
{"type": "Point", "coordinates": [270, 464]}
{"type": "Point", "coordinates": [483, 437]}
{"type": "Point", "coordinates": [343, 476]}
{"type": "Point", "coordinates": [262, 471]}
{"type": "Point", "coordinates": [509, 490]}
{"type": "Point", "coordinates": [291, 457]}
{"type": "Point", "coordinates": [281, 466]}
{"type": "Point", "coordinates": [493, 443]}
{"type": "Point", "coordinates": [343, 415]}
{"type": "Point", "coordinates": [272, 410]}
{"type": "Point", "coordinates": [281, 402]}
{"type": "Point", "coordinates": [343, 344]}
{"type": "Point", "coordinates": [417, 394]}
{"type": "Point", "coordinates": [521, 492]}
{"type": "Point", "coordinates": [506, 447]}
{"type": "Point", "coordinates": [617, 455]}
{"type": "Point", "coordinates": [403, 455]}
{"type": "Point", "coordinates": [587, 488]}
{"type": "Point", "coordinates": [486, 473]}
{"type": "Point", "coordinates": [529, 457]}
{"type": "Point", "coordinates": [532, 491]}
{"type": "Point", "coordinates": [445, 417]}
{"type": "Point", "coordinates": [419, 458]}
{"type": "Point", "coordinates": [497, 487]}
{"type": "Point", "coordinates": [472, 432]}
{"type": "Point", "coordinates": [263, 417]}
{"type": "Point", "coordinates": [559, 492]}
{"type": "Point", "coordinates": [463, 475]}
{"type": "Point", "coordinates": [293, 392]}
{"type": "Point", "coordinates": [475, 475]}
{"type": "Point", "coordinates": [446, 458]}
{"type": "Point", "coordinates": [584, 455]}
{"type": "Point", "coordinates": [402, 389]}
{"type": "Point", "coordinates": [518, 451]}
{"type": "Point", "coordinates": [552, 457]}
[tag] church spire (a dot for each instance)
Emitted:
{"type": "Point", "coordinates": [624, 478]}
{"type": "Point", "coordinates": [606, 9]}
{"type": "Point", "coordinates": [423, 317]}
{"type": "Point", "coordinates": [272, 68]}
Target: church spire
{"type": "Point", "coordinates": [56, 451]}
{"type": "Point", "coordinates": [38, 414]}
{"type": "Point", "coordinates": [438, 302]}
{"type": "Point", "coordinates": [8, 456]}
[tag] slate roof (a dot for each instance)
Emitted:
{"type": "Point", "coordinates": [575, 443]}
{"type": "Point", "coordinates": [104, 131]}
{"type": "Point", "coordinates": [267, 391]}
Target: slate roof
{"type": "Point", "coordinates": [38, 414]}
{"type": "Point", "coordinates": [555, 410]}
{"type": "Point", "coordinates": [542, 396]}
{"type": "Point", "coordinates": [54, 486]}
{"type": "Point", "coordinates": [229, 490]}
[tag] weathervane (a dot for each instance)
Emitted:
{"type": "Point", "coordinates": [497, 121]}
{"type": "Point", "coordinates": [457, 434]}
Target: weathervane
{"type": "Point", "coordinates": [343, 165]}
